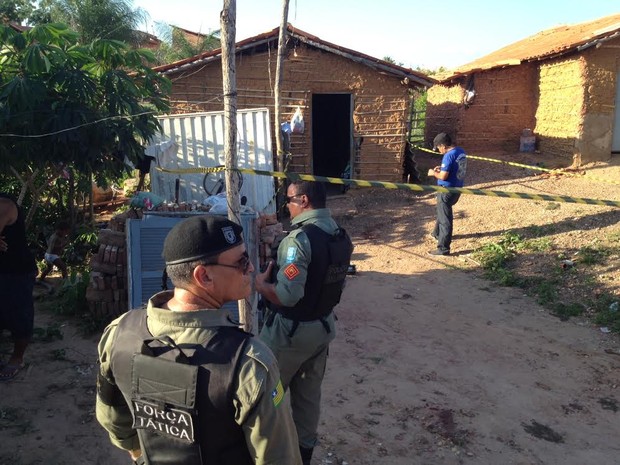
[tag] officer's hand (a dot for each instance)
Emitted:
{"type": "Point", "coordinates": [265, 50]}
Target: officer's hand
{"type": "Point", "coordinates": [136, 456]}
{"type": "Point", "coordinates": [264, 277]}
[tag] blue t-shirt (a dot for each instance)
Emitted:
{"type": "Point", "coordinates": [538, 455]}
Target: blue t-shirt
{"type": "Point", "coordinates": [455, 163]}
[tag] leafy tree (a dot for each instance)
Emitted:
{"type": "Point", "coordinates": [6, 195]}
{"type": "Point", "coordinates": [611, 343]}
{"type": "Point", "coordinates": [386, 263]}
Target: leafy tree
{"type": "Point", "coordinates": [93, 19]}
{"type": "Point", "coordinates": [389, 59]}
{"type": "Point", "coordinates": [73, 109]}
{"type": "Point", "coordinates": [176, 46]}
{"type": "Point", "coordinates": [431, 72]}
{"type": "Point", "coordinates": [15, 10]}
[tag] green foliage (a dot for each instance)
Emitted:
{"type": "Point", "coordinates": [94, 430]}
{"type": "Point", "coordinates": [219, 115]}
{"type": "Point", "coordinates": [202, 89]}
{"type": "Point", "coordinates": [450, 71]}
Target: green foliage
{"type": "Point", "coordinates": [592, 255]}
{"type": "Point", "coordinates": [59, 354]}
{"type": "Point", "coordinates": [391, 60]}
{"type": "Point", "coordinates": [176, 46]}
{"type": "Point", "coordinates": [64, 105]}
{"type": "Point", "coordinates": [539, 231]}
{"type": "Point", "coordinates": [417, 118]}
{"type": "Point", "coordinates": [49, 333]}
{"type": "Point", "coordinates": [72, 294]}
{"type": "Point", "coordinates": [546, 292]}
{"type": "Point", "coordinates": [16, 10]}
{"type": "Point", "coordinates": [503, 277]}
{"type": "Point", "coordinates": [565, 311]}
{"type": "Point", "coordinates": [93, 101]}
{"type": "Point", "coordinates": [93, 19]}
{"type": "Point", "coordinates": [431, 72]}
{"type": "Point", "coordinates": [607, 311]}
{"type": "Point", "coordinates": [493, 256]}
{"type": "Point", "coordinates": [84, 243]}
{"type": "Point", "coordinates": [541, 244]}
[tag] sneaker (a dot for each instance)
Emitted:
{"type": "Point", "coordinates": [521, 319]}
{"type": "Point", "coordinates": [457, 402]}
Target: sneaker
{"type": "Point", "coordinates": [439, 252]}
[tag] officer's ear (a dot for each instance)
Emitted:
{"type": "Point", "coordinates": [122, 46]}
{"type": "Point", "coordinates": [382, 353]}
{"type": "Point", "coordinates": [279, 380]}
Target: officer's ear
{"type": "Point", "coordinates": [202, 275]}
{"type": "Point", "coordinates": [304, 201]}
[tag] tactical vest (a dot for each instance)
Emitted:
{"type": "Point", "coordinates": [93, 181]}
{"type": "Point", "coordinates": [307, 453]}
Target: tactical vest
{"type": "Point", "coordinates": [181, 397]}
{"type": "Point", "coordinates": [329, 262]}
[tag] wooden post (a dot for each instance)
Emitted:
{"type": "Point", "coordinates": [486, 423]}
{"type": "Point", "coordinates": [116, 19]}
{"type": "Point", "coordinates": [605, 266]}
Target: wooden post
{"type": "Point", "coordinates": [228, 18]}
{"type": "Point", "coordinates": [281, 183]}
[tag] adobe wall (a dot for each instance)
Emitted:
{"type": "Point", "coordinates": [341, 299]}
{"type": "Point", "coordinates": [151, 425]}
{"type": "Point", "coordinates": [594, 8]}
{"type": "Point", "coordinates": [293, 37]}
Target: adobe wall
{"type": "Point", "coordinates": [381, 103]}
{"type": "Point", "coordinates": [504, 106]}
{"type": "Point", "coordinates": [443, 103]}
{"type": "Point", "coordinates": [601, 71]}
{"type": "Point", "coordinates": [561, 105]}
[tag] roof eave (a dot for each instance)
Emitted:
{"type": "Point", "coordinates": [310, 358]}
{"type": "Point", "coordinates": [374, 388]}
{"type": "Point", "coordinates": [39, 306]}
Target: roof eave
{"type": "Point", "coordinates": [574, 49]}
{"type": "Point", "coordinates": [409, 78]}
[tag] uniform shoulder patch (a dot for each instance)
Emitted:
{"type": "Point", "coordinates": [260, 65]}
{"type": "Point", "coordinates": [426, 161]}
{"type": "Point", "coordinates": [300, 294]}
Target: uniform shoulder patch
{"type": "Point", "coordinates": [278, 394]}
{"type": "Point", "coordinates": [291, 253]}
{"type": "Point", "coordinates": [291, 271]}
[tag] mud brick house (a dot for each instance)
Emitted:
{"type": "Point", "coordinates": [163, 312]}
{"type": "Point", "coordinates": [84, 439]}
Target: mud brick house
{"type": "Point", "coordinates": [345, 98]}
{"type": "Point", "coordinates": [562, 83]}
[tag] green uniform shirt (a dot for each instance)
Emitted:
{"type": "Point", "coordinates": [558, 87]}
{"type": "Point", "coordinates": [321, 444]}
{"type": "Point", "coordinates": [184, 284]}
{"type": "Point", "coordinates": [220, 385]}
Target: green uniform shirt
{"type": "Point", "coordinates": [295, 253]}
{"type": "Point", "coordinates": [260, 408]}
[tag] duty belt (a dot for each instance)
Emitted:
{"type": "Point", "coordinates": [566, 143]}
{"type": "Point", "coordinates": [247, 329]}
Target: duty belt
{"type": "Point", "coordinates": [282, 311]}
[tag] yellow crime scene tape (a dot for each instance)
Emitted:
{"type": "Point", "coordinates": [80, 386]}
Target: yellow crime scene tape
{"type": "Point", "coordinates": [529, 167]}
{"type": "Point", "coordinates": [401, 186]}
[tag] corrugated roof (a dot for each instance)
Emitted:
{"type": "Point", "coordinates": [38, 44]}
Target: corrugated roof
{"type": "Point", "coordinates": [413, 78]}
{"type": "Point", "coordinates": [552, 42]}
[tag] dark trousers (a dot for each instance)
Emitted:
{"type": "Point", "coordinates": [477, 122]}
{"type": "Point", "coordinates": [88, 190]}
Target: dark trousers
{"type": "Point", "coordinates": [443, 224]}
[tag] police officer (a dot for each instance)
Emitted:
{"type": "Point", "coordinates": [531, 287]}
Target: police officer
{"type": "Point", "coordinates": [312, 262]}
{"type": "Point", "coordinates": [179, 382]}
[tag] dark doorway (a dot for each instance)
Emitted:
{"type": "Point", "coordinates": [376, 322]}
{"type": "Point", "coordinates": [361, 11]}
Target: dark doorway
{"type": "Point", "coordinates": [331, 134]}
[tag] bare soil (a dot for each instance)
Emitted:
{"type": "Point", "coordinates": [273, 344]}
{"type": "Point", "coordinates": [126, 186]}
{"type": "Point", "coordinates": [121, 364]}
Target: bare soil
{"type": "Point", "coordinates": [433, 363]}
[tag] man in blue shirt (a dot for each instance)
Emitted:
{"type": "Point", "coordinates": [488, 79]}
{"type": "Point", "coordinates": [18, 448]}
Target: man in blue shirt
{"type": "Point", "coordinates": [451, 173]}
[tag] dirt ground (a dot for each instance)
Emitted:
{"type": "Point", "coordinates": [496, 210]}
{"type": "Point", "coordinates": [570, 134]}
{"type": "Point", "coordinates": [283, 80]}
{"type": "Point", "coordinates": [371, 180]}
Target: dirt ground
{"type": "Point", "coordinates": [433, 364]}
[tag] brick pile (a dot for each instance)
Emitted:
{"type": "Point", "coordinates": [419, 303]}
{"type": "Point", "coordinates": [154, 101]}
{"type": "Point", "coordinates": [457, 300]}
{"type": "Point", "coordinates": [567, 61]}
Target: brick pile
{"type": "Point", "coordinates": [107, 291]}
{"type": "Point", "coordinates": [270, 233]}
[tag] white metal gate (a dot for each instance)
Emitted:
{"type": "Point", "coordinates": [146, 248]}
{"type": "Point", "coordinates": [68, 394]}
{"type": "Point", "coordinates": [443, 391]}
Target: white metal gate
{"type": "Point", "coordinates": [197, 141]}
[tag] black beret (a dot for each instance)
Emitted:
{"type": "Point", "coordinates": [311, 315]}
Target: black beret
{"type": "Point", "coordinates": [199, 237]}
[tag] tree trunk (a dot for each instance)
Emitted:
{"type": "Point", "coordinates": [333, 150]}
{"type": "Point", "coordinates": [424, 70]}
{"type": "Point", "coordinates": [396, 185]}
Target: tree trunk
{"type": "Point", "coordinates": [91, 203]}
{"type": "Point", "coordinates": [282, 37]}
{"type": "Point", "coordinates": [71, 198]}
{"type": "Point", "coordinates": [228, 19]}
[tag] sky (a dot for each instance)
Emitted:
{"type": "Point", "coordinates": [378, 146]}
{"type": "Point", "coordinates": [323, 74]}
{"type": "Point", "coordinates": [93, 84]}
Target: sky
{"type": "Point", "coordinates": [414, 33]}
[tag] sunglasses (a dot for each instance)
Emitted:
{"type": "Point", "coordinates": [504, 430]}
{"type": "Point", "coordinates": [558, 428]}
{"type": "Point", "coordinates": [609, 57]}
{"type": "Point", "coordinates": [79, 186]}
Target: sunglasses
{"type": "Point", "coordinates": [243, 264]}
{"type": "Point", "coordinates": [289, 199]}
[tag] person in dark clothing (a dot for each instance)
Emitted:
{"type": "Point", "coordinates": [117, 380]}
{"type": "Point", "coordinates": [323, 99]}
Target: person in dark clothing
{"type": "Point", "coordinates": [451, 173]}
{"type": "Point", "coordinates": [18, 271]}
{"type": "Point", "coordinates": [144, 167]}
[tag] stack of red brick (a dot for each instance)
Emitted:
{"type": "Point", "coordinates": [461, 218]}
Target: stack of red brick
{"type": "Point", "coordinates": [270, 233]}
{"type": "Point", "coordinates": [107, 290]}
